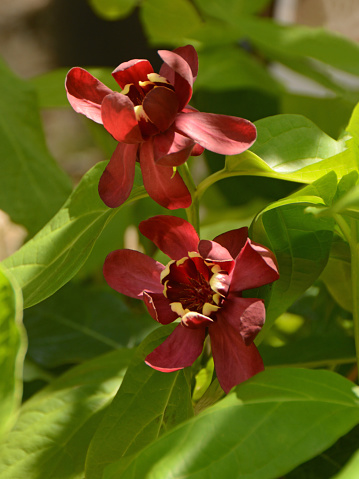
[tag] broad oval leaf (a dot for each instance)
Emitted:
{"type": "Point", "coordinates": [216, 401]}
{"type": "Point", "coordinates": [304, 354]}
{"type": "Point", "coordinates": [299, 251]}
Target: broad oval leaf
{"type": "Point", "coordinates": [81, 321]}
{"type": "Point", "coordinates": [262, 430]}
{"type": "Point", "coordinates": [274, 154]}
{"type": "Point", "coordinates": [56, 253]}
{"type": "Point", "coordinates": [351, 470]}
{"type": "Point", "coordinates": [32, 185]}
{"type": "Point", "coordinates": [148, 404]}
{"type": "Point", "coordinates": [300, 242]}
{"type": "Point", "coordinates": [55, 426]}
{"type": "Point", "coordinates": [12, 351]}
{"type": "Point", "coordinates": [113, 9]}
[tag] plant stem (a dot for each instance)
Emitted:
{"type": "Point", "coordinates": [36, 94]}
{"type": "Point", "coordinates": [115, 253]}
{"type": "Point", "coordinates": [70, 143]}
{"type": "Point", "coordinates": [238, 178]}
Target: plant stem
{"type": "Point", "coordinates": [350, 233]}
{"type": "Point", "coordinates": [192, 211]}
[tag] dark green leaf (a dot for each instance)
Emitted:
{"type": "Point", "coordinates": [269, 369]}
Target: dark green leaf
{"type": "Point", "coordinates": [80, 322]}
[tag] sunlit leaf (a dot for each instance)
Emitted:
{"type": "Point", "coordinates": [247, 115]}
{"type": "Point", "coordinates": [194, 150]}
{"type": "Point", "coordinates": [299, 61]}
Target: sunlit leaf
{"type": "Point", "coordinates": [56, 253]}
{"type": "Point", "coordinates": [53, 431]}
{"type": "Point", "coordinates": [169, 23]}
{"type": "Point", "coordinates": [12, 350]}
{"type": "Point", "coordinates": [293, 414]}
{"type": "Point", "coordinates": [113, 9]}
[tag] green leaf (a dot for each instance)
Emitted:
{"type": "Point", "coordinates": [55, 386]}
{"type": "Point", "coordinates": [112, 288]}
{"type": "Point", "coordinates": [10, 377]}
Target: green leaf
{"type": "Point", "coordinates": [293, 414]}
{"type": "Point", "coordinates": [113, 9]}
{"type": "Point", "coordinates": [56, 253]}
{"type": "Point", "coordinates": [80, 322]}
{"type": "Point", "coordinates": [169, 23]}
{"type": "Point", "coordinates": [300, 242]}
{"type": "Point", "coordinates": [302, 41]}
{"type": "Point", "coordinates": [50, 86]}
{"type": "Point", "coordinates": [273, 155]}
{"type": "Point", "coordinates": [148, 404]}
{"type": "Point", "coordinates": [12, 351]}
{"type": "Point", "coordinates": [32, 186]}
{"type": "Point", "coordinates": [227, 10]}
{"type": "Point", "coordinates": [351, 470]}
{"type": "Point", "coordinates": [53, 431]}
{"type": "Point", "coordinates": [234, 70]}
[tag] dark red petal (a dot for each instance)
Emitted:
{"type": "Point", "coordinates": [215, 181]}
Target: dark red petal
{"type": "Point", "coordinates": [132, 72]}
{"type": "Point", "coordinates": [213, 251]}
{"type": "Point", "coordinates": [130, 272]}
{"type": "Point", "coordinates": [233, 360]}
{"type": "Point", "coordinates": [233, 240]}
{"type": "Point", "coordinates": [178, 351]}
{"type": "Point", "coordinates": [227, 135]}
{"type": "Point", "coordinates": [119, 118]}
{"type": "Point", "coordinates": [197, 150]}
{"type": "Point", "coordinates": [179, 74]}
{"type": "Point", "coordinates": [172, 235]}
{"type": "Point", "coordinates": [117, 180]}
{"type": "Point", "coordinates": [164, 187]}
{"type": "Point", "coordinates": [246, 315]}
{"type": "Point", "coordinates": [161, 106]}
{"type": "Point", "coordinates": [171, 148]}
{"type": "Point", "coordinates": [252, 269]}
{"type": "Point", "coordinates": [193, 320]}
{"type": "Point", "coordinates": [159, 307]}
{"type": "Point", "coordinates": [85, 93]}
{"type": "Point", "coordinates": [189, 53]}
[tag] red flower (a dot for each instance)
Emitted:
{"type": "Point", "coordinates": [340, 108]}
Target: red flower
{"type": "Point", "coordinates": [202, 286]}
{"type": "Point", "coordinates": [154, 124]}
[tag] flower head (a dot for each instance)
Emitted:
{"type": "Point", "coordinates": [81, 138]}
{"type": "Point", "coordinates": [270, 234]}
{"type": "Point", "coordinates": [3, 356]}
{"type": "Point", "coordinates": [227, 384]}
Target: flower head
{"type": "Point", "coordinates": [202, 285]}
{"type": "Point", "coordinates": [153, 124]}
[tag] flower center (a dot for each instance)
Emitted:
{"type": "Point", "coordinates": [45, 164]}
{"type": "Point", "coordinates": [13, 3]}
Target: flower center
{"type": "Point", "coordinates": [194, 285]}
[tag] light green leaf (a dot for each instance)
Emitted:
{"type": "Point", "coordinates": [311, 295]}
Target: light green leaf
{"type": "Point", "coordinates": [32, 186]}
{"type": "Point", "coordinates": [351, 470]}
{"type": "Point", "coordinates": [169, 23]}
{"type": "Point", "coordinates": [148, 404]}
{"type": "Point", "coordinates": [113, 9]}
{"type": "Point", "coordinates": [293, 414]}
{"type": "Point", "coordinates": [12, 351]}
{"type": "Point", "coordinates": [50, 86]}
{"type": "Point", "coordinates": [291, 147]}
{"type": "Point", "coordinates": [56, 253]}
{"type": "Point", "coordinates": [52, 434]}
{"type": "Point", "coordinates": [302, 41]}
{"type": "Point", "coordinates": [236, 69]}
{"type": "Point", "coordinates": [228, 10]}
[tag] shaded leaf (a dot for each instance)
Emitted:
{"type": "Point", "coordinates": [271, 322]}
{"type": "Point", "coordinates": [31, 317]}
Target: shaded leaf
{"type": "Point", "coordinates": [148, 404]}
{"type": "Point", "coordinates": [80, 322]}
{"type": "Point", "coordinates": [300, 242]}
{"type": "Point", "coordinates": [32, 185]}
